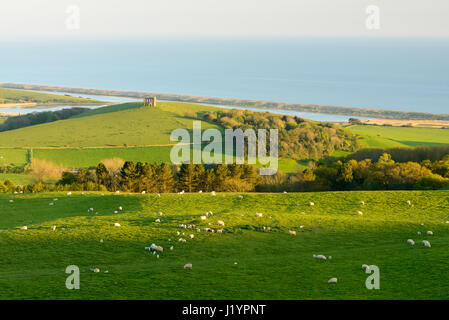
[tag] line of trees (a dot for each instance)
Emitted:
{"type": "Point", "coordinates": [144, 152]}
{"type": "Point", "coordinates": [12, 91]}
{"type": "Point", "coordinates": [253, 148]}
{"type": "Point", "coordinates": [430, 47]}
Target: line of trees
{"type": "Point", "coordinates": [34, 118]}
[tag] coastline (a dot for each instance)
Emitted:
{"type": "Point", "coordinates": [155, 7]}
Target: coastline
{"type": "Point", "coordinates": [312, 108]}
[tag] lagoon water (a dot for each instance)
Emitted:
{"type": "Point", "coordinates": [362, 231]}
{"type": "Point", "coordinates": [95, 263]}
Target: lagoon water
{"type": "Point", "coordinates": [397, 74]}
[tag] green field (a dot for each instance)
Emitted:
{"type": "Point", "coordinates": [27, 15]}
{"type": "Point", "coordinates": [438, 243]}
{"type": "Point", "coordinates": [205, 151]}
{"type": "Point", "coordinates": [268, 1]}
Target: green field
{"type": "Point", "coordinates": [17, 157]}
{"type": "Point", "coordinates": [18, 179]}
{"type": "Point", "coordinates": [271, 264]}
{"type": "Point", "coordinates": [24, 96]}
{"type": "Point", "coordinates": [133, 126]}
{"type": "Point", "coordinates": [389, 137]}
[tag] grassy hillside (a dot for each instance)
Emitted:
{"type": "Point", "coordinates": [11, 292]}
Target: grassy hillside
{"type": "Point", "coordinates": [389, 137]}
{"type": "Point", "coordinates": [247, 261]}
{"type": "Point", "coordinates": [16, 157]}
{"type": "Point", "coordinates": [23, 96]}
{"type": "Point", "coordinates": [133, 125]}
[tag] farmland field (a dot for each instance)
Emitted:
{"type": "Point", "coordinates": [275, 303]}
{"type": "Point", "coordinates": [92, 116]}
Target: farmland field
{"type": "Point", "coordinates": [247, 261]}
{"type": "Point", "coordinates": [388, 137]}
{"type": "Point", "coordinates": [13, 156]}
{"type": "Point", "coordinates": [12, 96]}
{"type": "Point", "coordinates": [16, 178]}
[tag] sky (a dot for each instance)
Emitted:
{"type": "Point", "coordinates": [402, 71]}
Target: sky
{"type": "Point", "coordinates": [223, 18]}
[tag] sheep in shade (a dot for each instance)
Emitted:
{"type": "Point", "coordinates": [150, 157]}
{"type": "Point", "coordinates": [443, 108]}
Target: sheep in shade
{"type": "Point", "coordinates": [332, 280]}
{"type": "Point", "coordinates": [429, 233]}
{"type": "Point", "coordinates": [291, 232]}
{"type": "Point", "coordinates": [411, 242]}
{"type": "Point", "coordinates": [188, 266]}
{"type": "Point", "coordinates": [320, 257]}
{"type": "Point", "coordinates": [426, 244]}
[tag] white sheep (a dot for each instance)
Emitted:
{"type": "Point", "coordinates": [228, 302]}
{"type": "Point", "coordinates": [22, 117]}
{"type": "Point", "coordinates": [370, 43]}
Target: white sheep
{"type": "Point", "coordinates": [157, 220]}
{"type": "Point", "coordinates": [220, 231]}
{"type": "Point", "coordinates": [292, 232]}
{"type": "Point", "coordinates": [409, 202]}
{"type": "Point", "coordinates": [426, 244]}
{"type": "Point", "coordinates": [11, 201]}
{"type": "Point", "coordinates": [120, 208]}
{"type": "Point", "coordinates": [213, 193]}
{"type": "Point", "coordinates": [332, 280]}
{"type": "Point", "coordinates": [419, 233]}
{"type": "Point", "coordinates": [362, 203]}
{"type": "Point", "coordinates": [311, 204]}
{"type": "Point", "coordinates": [360, 213]}
{"type": "Point", "coordinates": [320, 256]}
{"type": "Point", "coordinates": [429, 233]}
{"type": "Point", "coordinates": [101, 240]}
{"type": "Point", "coordinates": [188, 266]}
{"type": "Point", "coordinates": [240, 197]}
{"type": "Point", "coordinates": [259, 215]}
{"type": "Point", "coordinates": [156, 248]}
{"type": "Point", "coordinates": [203, 217]}
{"type": "Point", "coordinates": [115, 211]}
{"type": "Point", "coordinates": [182, 240]}
{"type": "Point", "coordinates": [220, 223]}
{"type": "Point", "coordinates": [95, 270]}
{"type": "Point", "coordinates": [411, 242]}
{"type": "Point", "coordinates": [201, 191]}
{"type": "Point", "coordinates": [53, 228]}
{"type": "Point", "coordinates": [69, 193]}
{"type": "Point", "coordinates": [158, 195]}
{"type": "Point", "coordinates": [24, 228]}
{"type": "Point", "coordinates": [171, 248]}
{"type": "Point", "coordinates": [143, 192]}
{"type": "Point", "coordinates": [116, 224]}
{"type": "Point", "coordinates": [51, 203]}
{"type": "Point", "coordinates": [191, 236]}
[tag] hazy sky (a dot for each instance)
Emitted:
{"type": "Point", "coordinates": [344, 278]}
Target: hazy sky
{"type": "Point", "coordinates": [27, 18]}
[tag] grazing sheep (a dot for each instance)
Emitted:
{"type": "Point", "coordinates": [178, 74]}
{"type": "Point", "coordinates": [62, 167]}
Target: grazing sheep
{"type": "Point", "coordinates": [24, 228]}
{"type": "Point", "coordinates": [160, 213]}
{"type": "Point", "coordinates": [69, 193]}
{"type": "Point", "coordinates": [312, 204]}
{"type": "Point", "coordinates": [143, 192]}
{"type": "Point", "coordinates": [101, 240]}
{"type": "Point", "coordinates": [360, 213]}
{"type": "Point", "coordinates": [116, 224]}
{"type": "Point", "coordinates": [259, 215]}
{"type": "Point", "coordinates": [188, 266]}
{"type": "Point", "coordinates": [220, 223]}
{"type": "Point", "coordinates": [156, 248]}
{"type": "Point", "coordinates": [115, 211]}
{"type": "Point", "coordinates": [201, 191]}
{"type": "Point", "coordinates": [55, 199]}
{"type": "Point", "coordinates": [182, 240]}
{"type": "Point", "coordinates": [426, 244]}
{"type": "Point", "coordinates": [332, 280]}
{"type": "Point", "coordinates": [320, 256]}
{"type": "Point", "coordinates": [447, 221]}
{"type": "Point", "coordinates": [301, 227]}
{"type": "Point", "coordinates": [120, 208]}
{"type": "Point", "coordinates": [411, 242]}
{"type": "Point", "coordinates": [203, 217]}
{"type": "Point", "coordinates": [362, 203]}
{"type": "Point", "coordinates": [220, 231]}
{"type": "Point", "coordinates": [419, 233]}
{"type": "Point", "coordinates": [53, 228]}
{"type": "Point", "coordinates": [330, 257]}
{"type": "Point", "coordinates": [95, 270]}
{"type": "Point", "coordinates": [171, 248]}
{"type": "Point", "coordinates": [158, 195]}
{"type": "Point", "coordinates": [285, 191]}
{"type": "Point", "coordinates": [240, 197]}
{"type": "Point", "coordinates": [178, 233]}
{"type": "Point", "coordinates": [51, 203]}
{"type": "Point", "coordinates": [291, 232]}
{"type": "Point", "coordinates": [213, 193]}
{"type": "Point", "coordinates": [11, 201]}
{"type": "Point", "coordinates": [409, 202]}
{"type": "Point", "coordinates": [198, 230]}
{"type": "Point", "coordinates": [429, 233]}
{"type": "Point", "coordinates": [157, 220]}
{"type": "Point", "coordinates": [191, 236]}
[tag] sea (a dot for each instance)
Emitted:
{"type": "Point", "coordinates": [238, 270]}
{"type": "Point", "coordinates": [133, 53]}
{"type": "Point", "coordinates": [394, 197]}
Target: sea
{"type": "Point", "coordinates": [409, 74]}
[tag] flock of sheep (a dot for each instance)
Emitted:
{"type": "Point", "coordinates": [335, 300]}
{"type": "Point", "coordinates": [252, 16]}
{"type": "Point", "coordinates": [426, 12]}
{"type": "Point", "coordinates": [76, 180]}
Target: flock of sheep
{"type": "Point", "coordinates": [157, 250]}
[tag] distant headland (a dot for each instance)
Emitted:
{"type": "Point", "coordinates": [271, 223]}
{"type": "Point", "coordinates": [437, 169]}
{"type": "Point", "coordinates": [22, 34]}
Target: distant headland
{"type": "Point", "coordinates": [299, 107]}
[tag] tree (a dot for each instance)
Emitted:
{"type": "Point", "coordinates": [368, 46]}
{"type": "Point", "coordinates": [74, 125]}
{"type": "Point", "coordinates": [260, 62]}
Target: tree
{"type": "Point", "coordinates": [102, 174]}
{"type": "Point", "coordinates": [165, 177]}
{"type": "Point", "coordinates": [187, 180]}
